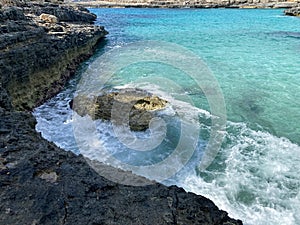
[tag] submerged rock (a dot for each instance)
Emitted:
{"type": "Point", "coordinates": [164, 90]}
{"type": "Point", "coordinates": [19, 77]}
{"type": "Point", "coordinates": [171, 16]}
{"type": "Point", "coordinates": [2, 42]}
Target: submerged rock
{"type": "Point", "coordinates": [131, 107]}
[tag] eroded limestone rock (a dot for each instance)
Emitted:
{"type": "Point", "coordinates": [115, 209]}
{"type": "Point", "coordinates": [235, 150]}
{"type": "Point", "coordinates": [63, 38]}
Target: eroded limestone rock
{"type": "Point", "coordinates": [129, 106]}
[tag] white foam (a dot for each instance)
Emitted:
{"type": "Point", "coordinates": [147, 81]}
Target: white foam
{"type": "Point", "coordinates": [259, 178]}
{"type": "Point", "coordinates": [261, 181]}
{"type": "Point", "coordinates": [185, 109]}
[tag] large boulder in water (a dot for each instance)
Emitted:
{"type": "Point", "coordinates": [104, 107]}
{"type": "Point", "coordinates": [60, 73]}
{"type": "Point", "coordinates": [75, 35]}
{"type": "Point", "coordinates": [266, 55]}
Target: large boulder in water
{"type": "Point", "coordinates": [131, 107]}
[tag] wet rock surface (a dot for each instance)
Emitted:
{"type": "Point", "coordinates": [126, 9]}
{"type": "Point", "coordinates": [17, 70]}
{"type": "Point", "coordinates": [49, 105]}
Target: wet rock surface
{"type": "Point", "coordinates": [128, 107]}
{"type": "Point", "coordinates": [43, 184]}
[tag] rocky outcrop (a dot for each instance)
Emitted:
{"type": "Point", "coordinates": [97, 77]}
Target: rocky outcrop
{"type": "Point", "coordinates": [40, 49]}
{"type": "Point", "coordinates": [140, 106]}
{"type": "Point", "coordinates": [62, 12]}
{"type": "Point", "coordinates": [190, 3]}
{"type": "Point", "coordinates": [293, 11]}
{"type": "Point", "coordinates": [43, 184]}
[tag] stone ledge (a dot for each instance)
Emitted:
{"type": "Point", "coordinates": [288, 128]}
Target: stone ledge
{"type": "Point", "coordinates": [38, 57]}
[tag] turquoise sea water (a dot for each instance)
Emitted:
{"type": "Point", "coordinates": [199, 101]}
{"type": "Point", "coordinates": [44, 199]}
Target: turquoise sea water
{"type": "Point", "coordinates": [254, 55]}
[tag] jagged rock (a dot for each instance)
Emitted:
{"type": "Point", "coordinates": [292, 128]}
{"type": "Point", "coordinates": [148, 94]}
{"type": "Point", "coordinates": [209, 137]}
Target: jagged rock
{"type": "Point", "coordinates": [293, 11]}
{"type": "Point", "coordinates": [50, 186]}
{"type": "Point", "coordinates": [62, 12]}
{"type": "Point", "coordinates": [35, 62]}
{"type": "Point", "coordinates": [48, 18]}
{"type": "Point", "coordinates": [11, 13]}
{"type": "Point", "coordinates": [132, 106]}
{"type": "Point", "coordinates": [5, 101]}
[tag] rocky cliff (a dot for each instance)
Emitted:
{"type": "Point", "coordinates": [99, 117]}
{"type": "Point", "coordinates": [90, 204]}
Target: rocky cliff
{"type": "Point", "coordinates": [190, 3]}
{"type": "Point", "coordinates": [37, 54]}
{"type": "Point", "coordinates": [41, 45]}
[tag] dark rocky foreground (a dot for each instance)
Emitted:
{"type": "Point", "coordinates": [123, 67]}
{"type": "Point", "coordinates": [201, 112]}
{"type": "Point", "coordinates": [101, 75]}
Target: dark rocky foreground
{"type": "Point", "coordinates": [41, 183]}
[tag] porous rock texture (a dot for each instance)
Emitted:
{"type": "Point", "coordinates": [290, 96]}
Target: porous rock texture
{"type": "Point", "coordinates": [37, 56]}
{"type": "Point", "coordinates": [43, 184]}
{"type": "Point", "coordinates": [126, 107]}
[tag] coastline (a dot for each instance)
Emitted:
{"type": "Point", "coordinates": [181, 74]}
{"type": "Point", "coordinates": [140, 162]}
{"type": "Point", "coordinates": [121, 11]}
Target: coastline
{"type": "Point", "coordinates": [175, 4]}
{"type": "Point", "coordinates": [43, 184]}
{"type": "Point", "coordinates": [39, 55]}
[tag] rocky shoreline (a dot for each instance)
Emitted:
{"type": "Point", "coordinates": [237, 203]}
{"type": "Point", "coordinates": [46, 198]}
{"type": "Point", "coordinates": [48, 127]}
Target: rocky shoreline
{"type": "Point", "coordinates": [41, 46]}
{"type": "Point", "coordinates": [39, 55]}
{"type": "Point", "coordinates": [246, 4]}
{"type": "Point", "coordinates": [295, 11]}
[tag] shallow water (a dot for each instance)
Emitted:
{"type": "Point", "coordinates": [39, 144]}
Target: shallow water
{"type": "Point", "coordinates": [254, 55]}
